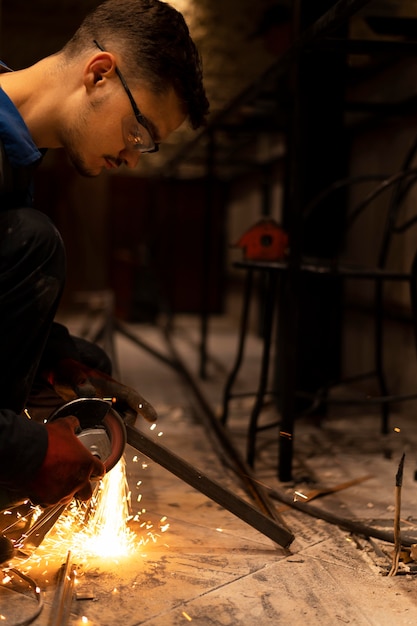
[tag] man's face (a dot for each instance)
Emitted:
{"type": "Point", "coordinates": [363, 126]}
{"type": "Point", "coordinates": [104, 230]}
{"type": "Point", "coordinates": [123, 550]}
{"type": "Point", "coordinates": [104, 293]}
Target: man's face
{"type": "Point", "coordinates": [94, 139]}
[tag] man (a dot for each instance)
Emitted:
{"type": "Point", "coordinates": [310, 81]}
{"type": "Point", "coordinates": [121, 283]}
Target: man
{"type": "Point", "coordinates": [128, 78]}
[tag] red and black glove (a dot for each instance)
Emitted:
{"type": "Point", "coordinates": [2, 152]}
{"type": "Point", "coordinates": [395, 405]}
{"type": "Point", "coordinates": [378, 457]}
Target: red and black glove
{"type": "Point", "coordinates": [71, 379]}
{"type": "Point", "coordinates": [67, 468]}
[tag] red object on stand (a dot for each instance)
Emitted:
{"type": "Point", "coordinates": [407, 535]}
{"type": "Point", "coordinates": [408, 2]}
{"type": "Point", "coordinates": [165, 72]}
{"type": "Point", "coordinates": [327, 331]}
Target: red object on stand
{"type": "Point", "coordinates": [265, 241]}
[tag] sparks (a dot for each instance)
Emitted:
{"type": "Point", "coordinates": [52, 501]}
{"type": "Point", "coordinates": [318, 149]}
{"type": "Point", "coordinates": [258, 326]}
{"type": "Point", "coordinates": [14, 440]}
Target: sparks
{"type": "Point", "coordinates": [98, 529]}
{"type": "Point", "coordinates": [299, 494]}
{"type": "Point", "coordinates": [106, 533]}
{"type": "Point", "coordinates": [187, 617]}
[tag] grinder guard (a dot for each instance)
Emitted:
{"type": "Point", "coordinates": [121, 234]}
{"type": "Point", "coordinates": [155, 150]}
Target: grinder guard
{"type": "Point", "coordinates": [102, 430]}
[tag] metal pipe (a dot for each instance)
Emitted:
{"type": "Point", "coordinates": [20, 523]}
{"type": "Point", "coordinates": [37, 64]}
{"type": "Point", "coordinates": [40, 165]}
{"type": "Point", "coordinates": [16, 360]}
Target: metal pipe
{"type": "Point", "coordinates": [216, 492]}
{"type": "Point", "coordinates": [357, 528]}
{"type": "Point", "coordinates": [61, 606]}
{"type": "Point", "coordinates": [214, 427]}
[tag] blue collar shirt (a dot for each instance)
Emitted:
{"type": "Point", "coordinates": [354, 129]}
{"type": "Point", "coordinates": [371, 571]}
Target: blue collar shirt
{"type": "Point", "coordinates": [18, 144]}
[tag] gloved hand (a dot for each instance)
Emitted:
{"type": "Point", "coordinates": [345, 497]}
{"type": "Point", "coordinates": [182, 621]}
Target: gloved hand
{"type": "Point", "coordinates": [72, 379]}
{"type": "Point", "coordinates": [67, 468]}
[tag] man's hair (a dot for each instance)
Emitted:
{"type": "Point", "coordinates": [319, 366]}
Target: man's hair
{"type": "Point", "coordinates": [154, 42]}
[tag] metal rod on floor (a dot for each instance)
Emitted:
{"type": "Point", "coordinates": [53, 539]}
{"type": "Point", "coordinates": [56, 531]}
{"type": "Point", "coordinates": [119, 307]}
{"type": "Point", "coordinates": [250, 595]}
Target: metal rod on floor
{"type": "Point", "coordinates": [214, 426]}
{"type": "Point", "coordinates": [352, 526]}
{"type": "Point", "coordinates": [61, 607]}
{"type": "Point", "coordinates": [124, 330]}
{"type": "Point", "coordinates": [397, 519]}
{"type": "Point", "coordinates": [216, 492]}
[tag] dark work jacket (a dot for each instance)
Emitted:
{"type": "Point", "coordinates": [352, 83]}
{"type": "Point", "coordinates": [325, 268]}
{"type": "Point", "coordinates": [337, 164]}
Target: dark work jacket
{"type": "Point", "coordinates": [23, 442]}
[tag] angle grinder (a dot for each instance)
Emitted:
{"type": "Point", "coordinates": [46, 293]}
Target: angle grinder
{"type": "Point", "coordinates": [102, 430]}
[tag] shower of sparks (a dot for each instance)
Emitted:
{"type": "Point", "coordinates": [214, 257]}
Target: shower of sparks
{"type": "Point", "coordinates": [98, 529]}
{"type": "Point", "coordinates": [107, 533]}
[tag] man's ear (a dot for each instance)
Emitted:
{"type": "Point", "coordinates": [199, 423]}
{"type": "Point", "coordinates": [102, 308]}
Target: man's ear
{"type": "Point", "coordinates": [99, 67]}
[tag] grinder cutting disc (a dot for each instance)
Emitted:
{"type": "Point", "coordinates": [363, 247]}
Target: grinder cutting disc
{"type": "Point", "coordinates": [102, 430]}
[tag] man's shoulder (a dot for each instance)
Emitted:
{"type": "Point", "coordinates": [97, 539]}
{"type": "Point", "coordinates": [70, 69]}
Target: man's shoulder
{"type": "Point", "coordinates": [18, 143]}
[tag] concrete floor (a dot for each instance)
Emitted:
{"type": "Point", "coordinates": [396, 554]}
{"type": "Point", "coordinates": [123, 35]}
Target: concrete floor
{"type": "Point", "coordinates": [211, 568]}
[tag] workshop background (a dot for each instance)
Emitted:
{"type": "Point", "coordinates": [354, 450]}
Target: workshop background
{"type": "Point", "coordinates": [306, 97]}
{"type": "Point", "coordinates": [162, 237]}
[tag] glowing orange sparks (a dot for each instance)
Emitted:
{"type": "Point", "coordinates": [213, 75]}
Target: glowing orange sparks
{"type": "Point", "coordinates": [97, 529]}
{"type": "Point", "coordinates": [106, 533]}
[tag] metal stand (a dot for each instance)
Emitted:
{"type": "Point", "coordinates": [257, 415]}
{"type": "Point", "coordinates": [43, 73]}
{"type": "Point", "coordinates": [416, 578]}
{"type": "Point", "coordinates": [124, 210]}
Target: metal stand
{"type": "Point", "coordinates": [271, 272]}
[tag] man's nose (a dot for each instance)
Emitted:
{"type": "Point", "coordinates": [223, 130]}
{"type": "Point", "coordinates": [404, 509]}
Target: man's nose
{"type": "Point", "coordinates": [130, 157]}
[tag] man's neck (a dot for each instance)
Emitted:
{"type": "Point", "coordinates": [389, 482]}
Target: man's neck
{"type": "Point", "coordinates": [33, 91]}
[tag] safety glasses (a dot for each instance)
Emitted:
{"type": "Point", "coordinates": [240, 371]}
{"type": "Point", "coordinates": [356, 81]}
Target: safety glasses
{"type": "Point", "coordinates": [136, 131]}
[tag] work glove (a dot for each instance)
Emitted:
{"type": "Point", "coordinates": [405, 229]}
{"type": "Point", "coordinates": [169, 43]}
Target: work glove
{"type": "Point", "coordinates": [72, 379]}
{"type": "Point", "coordinates": [67, 468]}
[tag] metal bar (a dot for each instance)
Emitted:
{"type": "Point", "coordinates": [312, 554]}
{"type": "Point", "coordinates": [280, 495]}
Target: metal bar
{"type": "Point", "coordinates": [61, 606]}
{"type": "Point", "coordinates": [368, 46]}
{"type": "Point", "coordinates": [373, 400]}
{"type": "Point", "coordinates": [397, 518]}
{"type": "Point", "coordinates": [123, 330]}
{"type": "Point", "coordinates": [227, 393]}
{"type": "Point", "coordinates": [355, 527]}
{"type": "Point", "coordinates": [268, 321]}
{"type": "Point", "coordinates": [213, 490]}
{"type": "Point", "coordinates": [216, 428]}
{"type": "Point", "coordinates": [37, 593]}
{"type": "Point", "coordinates": [205, 287]}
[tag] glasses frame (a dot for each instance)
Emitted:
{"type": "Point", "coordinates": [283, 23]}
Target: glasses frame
{"type": "Point", "coordinates": [138, 115]}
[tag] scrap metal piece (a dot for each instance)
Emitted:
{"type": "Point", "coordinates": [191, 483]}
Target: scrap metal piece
{"type": "Point", "coordinates": [223, 445]}
{"type": "Point", "coordinates": [210, 488]}
{"type": "Point", "coordinates": [397, 516]}
{"type": "Point", "coordinates": [352, 526]}
{"type": "Point", "coordinates": [61, 606]}
{"type": "Point", "coordinates": [318, 493]}
{"type": "Point", "coordinates": [36, 591]}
